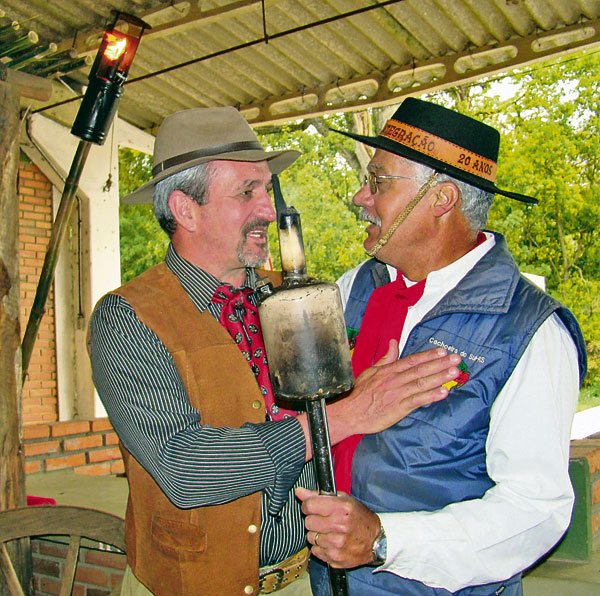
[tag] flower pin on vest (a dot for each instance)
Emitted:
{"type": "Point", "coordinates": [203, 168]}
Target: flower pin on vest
{"type": "Point", "coordinates": [352, 335]}
{"type": "Point", "coordinates": [463, 377]}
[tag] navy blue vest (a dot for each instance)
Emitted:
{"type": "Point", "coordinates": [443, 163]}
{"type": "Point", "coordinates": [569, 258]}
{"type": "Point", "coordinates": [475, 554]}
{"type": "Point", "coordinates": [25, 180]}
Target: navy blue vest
{"type": "Point", "coordinates": [436, 455]}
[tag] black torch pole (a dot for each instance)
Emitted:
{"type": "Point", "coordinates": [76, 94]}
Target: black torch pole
{"type": "Point", "coordinates": [93, 120]}
{"type": "Point", "coordinates": [321, 450]}
{"type": "Point", "coordinates": [58, 231]}
{"type": "Point", "coordinates": [315, 406]}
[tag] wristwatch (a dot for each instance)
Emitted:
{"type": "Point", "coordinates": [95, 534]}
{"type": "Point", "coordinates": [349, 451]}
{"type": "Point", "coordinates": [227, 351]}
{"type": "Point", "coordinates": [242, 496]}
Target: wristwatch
{"type": "Point", "coordinates": [379, 547]}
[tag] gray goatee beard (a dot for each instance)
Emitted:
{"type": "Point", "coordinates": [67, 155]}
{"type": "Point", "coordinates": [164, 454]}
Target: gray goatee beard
{"type": "Point", "coordinates": [250, 258]}
{"type": "Point", "coordinates": [366, 216]}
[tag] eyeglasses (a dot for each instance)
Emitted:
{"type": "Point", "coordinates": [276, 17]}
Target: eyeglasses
{"type": "Point", "coordinates": [373, 180]}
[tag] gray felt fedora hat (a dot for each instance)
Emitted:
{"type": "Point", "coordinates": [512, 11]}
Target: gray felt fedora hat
{"type": "Point", "coordinates": [192, 137]}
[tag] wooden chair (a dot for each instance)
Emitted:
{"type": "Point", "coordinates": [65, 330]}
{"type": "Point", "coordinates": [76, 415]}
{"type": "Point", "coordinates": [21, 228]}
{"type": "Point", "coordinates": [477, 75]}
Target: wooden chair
{"type": "Point", "coordinates": [75, 522]}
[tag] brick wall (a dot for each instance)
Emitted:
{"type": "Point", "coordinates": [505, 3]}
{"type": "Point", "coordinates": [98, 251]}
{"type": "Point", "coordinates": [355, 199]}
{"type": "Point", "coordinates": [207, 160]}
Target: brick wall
{"type": "Point", "coordinates": [39, 397]}
{"type": "Point", "coordinates": [98, 571]}
{"type": "Point", "coordinates": [88, 446]}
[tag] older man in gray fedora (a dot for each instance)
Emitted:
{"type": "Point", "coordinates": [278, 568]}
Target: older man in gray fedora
{"type": "Point", "coordinates": [212, 461]}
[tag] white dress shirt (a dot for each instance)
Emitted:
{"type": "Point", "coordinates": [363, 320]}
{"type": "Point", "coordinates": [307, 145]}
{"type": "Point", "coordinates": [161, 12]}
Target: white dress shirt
{"type": "Point", "coordinates": [527, 454]}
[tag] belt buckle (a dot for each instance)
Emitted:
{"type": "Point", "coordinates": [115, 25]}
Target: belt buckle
{"type": "Point", "coordinates": [263, 578]}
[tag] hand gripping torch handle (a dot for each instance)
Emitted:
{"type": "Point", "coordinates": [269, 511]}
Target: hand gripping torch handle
{"type": "Point", "coordinates": [321, 449]}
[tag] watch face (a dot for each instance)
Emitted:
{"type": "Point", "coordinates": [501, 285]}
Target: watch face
{"type": "Point", "coordinates": [380, 549]}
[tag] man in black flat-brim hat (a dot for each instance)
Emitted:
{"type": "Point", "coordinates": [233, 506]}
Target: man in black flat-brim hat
{"type": "Point", "coordinates": [178, 361]}
{"type": "Point", "coordinates": [462, 495]}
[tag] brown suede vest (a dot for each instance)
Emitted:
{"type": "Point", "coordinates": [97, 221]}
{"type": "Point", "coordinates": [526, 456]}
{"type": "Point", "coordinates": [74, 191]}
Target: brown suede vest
{"type": "Point", "coordinates": [204, 551]}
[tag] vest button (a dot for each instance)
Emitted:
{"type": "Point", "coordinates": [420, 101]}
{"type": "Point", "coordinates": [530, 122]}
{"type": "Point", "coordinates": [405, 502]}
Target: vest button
{"type": "Point", "coordinates": [249, 590]}
{"type": "Point", "coordinates": [252, 529]}
{"type": "Point", "coordinates": [256, 404]}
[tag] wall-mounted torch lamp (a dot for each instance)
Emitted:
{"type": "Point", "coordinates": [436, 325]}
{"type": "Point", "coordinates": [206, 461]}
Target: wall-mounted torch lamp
{"type": "Point", "coordinates": [92, 123]}
{"type": "Point", "coordinates": [106, 78]}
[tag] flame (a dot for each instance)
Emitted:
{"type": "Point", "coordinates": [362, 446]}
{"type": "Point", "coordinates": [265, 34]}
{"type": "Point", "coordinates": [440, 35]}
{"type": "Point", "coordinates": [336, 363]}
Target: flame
{"type": "Point", "coordinates": [115, 47]}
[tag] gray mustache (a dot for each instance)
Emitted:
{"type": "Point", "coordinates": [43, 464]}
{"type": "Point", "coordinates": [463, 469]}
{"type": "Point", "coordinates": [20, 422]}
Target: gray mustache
{"type": "Point", "coordinates": [366, 216]}
{"type": "Point", "coordinates": [255, 224]}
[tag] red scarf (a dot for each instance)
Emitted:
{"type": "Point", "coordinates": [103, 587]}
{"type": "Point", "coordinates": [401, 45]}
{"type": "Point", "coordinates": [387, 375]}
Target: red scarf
{"type": "Point", "coordinates": [383, 320]}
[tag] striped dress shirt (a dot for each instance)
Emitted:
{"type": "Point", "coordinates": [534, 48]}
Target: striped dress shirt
{"type": "Point", "coordinates": [195, 464]}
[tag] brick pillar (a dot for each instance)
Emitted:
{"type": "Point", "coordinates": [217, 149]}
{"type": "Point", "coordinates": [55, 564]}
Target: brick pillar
{"type": "Point", "coordinates": [39, 398]}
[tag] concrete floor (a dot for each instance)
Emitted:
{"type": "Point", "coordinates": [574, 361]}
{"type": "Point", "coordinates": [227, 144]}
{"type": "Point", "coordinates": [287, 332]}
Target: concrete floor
{"type": "Point", "coordinates": [564, 579]}
{"type": "Point", "coordinates": [109, 493]}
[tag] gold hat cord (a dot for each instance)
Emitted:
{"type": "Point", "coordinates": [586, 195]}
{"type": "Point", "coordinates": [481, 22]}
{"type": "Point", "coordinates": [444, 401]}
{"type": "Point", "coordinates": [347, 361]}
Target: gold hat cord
{"type": "Point", "coordinates": [402, 216]}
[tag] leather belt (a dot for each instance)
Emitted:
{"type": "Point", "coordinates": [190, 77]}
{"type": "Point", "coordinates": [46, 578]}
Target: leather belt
{"type": "Point", "coordinates": [279, 576]}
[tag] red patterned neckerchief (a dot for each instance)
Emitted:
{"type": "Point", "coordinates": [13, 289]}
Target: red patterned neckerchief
{"type": "Point", "coordinates": [240, 318]}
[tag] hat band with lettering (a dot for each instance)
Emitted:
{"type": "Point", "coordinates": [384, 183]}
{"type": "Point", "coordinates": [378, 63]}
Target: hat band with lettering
{"type": "Point", "coordinates": [445, 140]}
{"type": "Point", "coordinates": [438, 148]}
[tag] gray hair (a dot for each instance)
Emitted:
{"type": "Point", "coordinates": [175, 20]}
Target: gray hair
{"type": "Point", "coordinates": [475, 203]}
{"type": "Point", "coordinates": [192, 181]}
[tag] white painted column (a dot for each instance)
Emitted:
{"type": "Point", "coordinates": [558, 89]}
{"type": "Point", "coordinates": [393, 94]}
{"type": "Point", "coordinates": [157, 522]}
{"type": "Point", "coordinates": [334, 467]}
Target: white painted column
{"type": "Point", "coordinates": [100, 254]}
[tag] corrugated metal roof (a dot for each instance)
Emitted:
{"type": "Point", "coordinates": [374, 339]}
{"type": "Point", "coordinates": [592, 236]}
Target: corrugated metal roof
{"type": "Point", "coordinates": [281, 59]}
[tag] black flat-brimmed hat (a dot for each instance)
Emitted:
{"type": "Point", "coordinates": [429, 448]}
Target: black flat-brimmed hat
{"type": "Point", "coordinates": [445, 140]}
{"type": "Point", "coordinates": [191, 137]}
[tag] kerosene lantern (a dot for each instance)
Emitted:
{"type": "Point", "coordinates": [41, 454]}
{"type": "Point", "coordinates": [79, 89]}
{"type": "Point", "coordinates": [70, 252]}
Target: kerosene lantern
{"type": "Point", "coordinates": [303, 328]}
{"type": "Point", "coordinates": [107, 77]}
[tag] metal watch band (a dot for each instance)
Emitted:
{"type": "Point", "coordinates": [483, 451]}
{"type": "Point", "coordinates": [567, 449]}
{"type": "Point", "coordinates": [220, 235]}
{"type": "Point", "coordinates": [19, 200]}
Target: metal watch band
{"type": "Point", "coordinates": [379, 547]}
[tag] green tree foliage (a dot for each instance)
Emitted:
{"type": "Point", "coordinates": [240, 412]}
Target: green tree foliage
{"type": "Point", "coordinates": [142, 241]}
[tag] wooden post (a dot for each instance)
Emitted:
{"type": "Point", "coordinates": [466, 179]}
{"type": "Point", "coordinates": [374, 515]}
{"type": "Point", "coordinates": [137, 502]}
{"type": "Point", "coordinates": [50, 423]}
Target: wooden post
{"type": "Point", "coordinates": [12, 461]}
